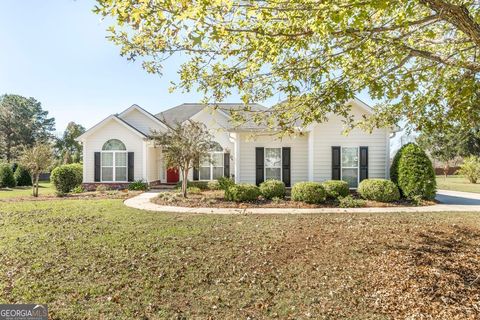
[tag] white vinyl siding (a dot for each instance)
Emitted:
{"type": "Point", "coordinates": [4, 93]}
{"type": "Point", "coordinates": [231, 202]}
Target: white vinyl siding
{"type": "Point", "coordinates": [142, 122]}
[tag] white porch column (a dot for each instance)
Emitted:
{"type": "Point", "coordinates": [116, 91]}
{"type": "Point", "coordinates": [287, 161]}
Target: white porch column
{"type": "Point", "coordinates": [144, 161]}
{"type": "Point", "coordinates": [235, 138]}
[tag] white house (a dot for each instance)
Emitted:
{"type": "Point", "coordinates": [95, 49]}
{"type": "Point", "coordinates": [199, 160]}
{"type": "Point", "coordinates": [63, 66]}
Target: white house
{"type": "Point", "coordinates": [118, 150]}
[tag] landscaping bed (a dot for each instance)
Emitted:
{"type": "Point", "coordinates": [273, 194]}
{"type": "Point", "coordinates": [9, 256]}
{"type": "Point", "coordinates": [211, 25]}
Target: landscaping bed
{"type": "Point", "coordinates": [113, 194]}
{"type": "Point", "coordinates": [216, 199]}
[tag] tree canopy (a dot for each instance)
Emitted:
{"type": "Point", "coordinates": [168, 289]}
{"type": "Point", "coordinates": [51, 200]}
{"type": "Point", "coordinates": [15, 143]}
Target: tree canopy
{"type": "Point", "coordinates": [67, 148]}
{"type": "Point", "coordinates": [417, 58]}
{"type": "Point", "coordinates": [23, 122]}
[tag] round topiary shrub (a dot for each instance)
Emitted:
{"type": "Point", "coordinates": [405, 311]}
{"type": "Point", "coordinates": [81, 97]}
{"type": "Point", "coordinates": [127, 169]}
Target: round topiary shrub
{"type": "Point", "coordinates": [416, 177]}
{"type": "Point", "coordinates": [272, 189]}
{"type": "Point", "coordinates": [66, 177]}
{"type": "Point", "coordinates": [394, 166]}
{"type": "Point", "coordinates": [243, 192]}
{"type": "Point", "coordinates": [7, 180]}
{"type": "Point", "coordinates": [309, 192]}
{"type": "Point", "coordinates": [335, 189]}
{"type": "Point", "coordinates": [382, 190]}
{"type": "Point", "coordinates": [22, 177]}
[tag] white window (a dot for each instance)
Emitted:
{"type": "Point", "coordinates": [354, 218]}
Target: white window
{"type": "Point", "coordinates": [273, 163]}
{"type": "Point", "coordinates": [114, 161]}
{"type": "Point", "coordinates": [211, 166]}
{"type": "Point", "coordinates": [350, 166]}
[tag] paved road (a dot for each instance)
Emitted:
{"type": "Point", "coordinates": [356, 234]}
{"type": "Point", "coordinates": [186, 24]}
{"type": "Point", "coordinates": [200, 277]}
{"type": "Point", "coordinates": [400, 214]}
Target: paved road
{"type": "Point", "coordinates": [458, 198]}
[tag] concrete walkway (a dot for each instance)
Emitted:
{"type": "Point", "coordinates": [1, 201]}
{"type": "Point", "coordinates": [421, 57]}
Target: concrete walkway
{"type": "Point", "coordinates": [451, 201]}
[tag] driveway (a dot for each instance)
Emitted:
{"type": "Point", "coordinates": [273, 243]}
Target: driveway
{"type": "Point", "coordinates": [458, 198]}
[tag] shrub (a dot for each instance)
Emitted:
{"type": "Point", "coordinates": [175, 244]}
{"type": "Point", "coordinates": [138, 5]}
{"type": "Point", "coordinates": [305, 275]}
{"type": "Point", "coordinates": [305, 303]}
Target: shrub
{"type": "Point", "coordinates": [225, 184]}
{"type": "Point", "coordinates": [378, 190]}
{"type": "Point", "coordinates": [194, 190]}
{"type": "Point", "coordinates": [244, 192]}
{"type": "Point", "coordinates": [138, 185]}
{"type": "Point", "coordinates": [336, 188]}
{"type": "Point", "coordinates": [470, 168]}
{"type": "Point", "coordinates": [7, 180]}
{"type": "Point", "coordinates": [309, 192]}
{"type": "Point", "coordinates": [395, 162]}
{"type": "Point", "coordinates": [213, 185]}
{"type": "Point", "coordinates": [22, 176]}
{"type": "Point", "coordinates": [350, 202]}
{"type": "Point", "coordinates": [416, 176]}
{"type": "Point", "coordinates": [203, 185]}
{"type": "Point", "coordinates": [66, 177]}
{"type": "Point", "coordinates": [102, 188]}
{"type": "Point", "coordinates": [272, 189]}
{"type": "Point", "coordinates": [78, 189]}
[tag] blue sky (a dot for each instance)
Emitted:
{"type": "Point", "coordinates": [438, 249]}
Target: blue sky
{"type": "Point", "coordinates": [56, 52]}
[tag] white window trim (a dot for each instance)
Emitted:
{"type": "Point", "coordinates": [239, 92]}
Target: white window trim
{"type": "Point", "coordinates": [265, 163]}
{"type": "Point", "coordinates": [113, 166]}
{"type": "Point", "coordinates": [212, 166]}
{"type": "Point", "coordinates": [357, 167]}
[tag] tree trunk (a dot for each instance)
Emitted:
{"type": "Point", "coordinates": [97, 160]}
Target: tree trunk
{"type": "Point", "coordinates": [37, 177]}
{"type": "Point", "coordinates": [445, 170]}
{"type": "Point", "coordinates": [185, 182]}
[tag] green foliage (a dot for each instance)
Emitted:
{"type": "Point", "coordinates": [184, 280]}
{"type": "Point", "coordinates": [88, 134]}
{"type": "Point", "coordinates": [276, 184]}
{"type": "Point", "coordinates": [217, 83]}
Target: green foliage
{"type": "Point", "coordinates": [244, 192]}
{"type": "Point", "coordinates": [22, 176]}
{"type": "Point", "coordinates": [470, 168]}
{"type": "Point", "coordinates": [203, 185]}
{"type": "Point", "coordinates": [272, 189]}
{"type": "Point", "coordinates": [213, 185]}
{"type": "Point", "coordinates": [309, 192]}
{"type": "Point", "coordinates": [225, 183]}
{"type": "Point", "coordinates": [66, 177]}
{"type": "Point", "coordinates": [78, 189]}
{"type": "Point", "coordinates": [138, 185]}
{"type": "Point", "coordinates": [194, 190]}
{"type": "Point", "coordinates": [416, 176]}
{"type": "Point", "coordinates": [36, 160]}
{"type": "Point", "coordinates": [68, 149]}
{"type": "Point", "coordinates": [394, 166]}
{"type": "Point", "coordinates": [350, 202]}
{"type": "Point", "coordinates": [7, 180]}
{"type": "Point", "coordinates": [379, 190]}
{"type": "Point", "coordinates": [336, 188]}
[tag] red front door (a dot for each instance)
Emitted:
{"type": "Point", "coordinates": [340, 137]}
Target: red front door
{"type": "Point", "coordinates": [172, 175]}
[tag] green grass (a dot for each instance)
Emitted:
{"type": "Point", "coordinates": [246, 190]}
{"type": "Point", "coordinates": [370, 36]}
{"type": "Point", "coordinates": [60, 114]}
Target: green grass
{"type": "Point", "coordinates": [98, 259]}
{"type": "Point", "coordinates": [457, 183]}
{"type": "Point", "coordinates": [45, 188]}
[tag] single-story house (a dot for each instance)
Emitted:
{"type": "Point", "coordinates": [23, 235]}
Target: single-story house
{"type": "Point", "coordinates": [118, 149]}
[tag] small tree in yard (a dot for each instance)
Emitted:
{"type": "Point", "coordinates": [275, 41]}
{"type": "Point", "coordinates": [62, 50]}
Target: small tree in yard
{"type": "Point", "coordinates": [183, 146]}
{"type": "Point", "coordinates": [470, 169]}
{"type": "Point", "coordinates": [37, 160]}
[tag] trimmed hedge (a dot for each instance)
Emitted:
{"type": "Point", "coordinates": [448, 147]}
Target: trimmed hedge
{"type": "Point", "coordinates": [382, 190]}
{"type": "Point", "coordinates": [138, 185]}
{"type": "Point", "coordinates": [309, 192]}
{"type": "Point", "coordinates": [66, 177]}
{"type": "Point", "coordinates": [213, 185]}
{"type": "Point", "coordinates": [244, 192]}
{"type": "Point", "coordinates": [7, 180]}
{"type": "Point", "coordinates": [416, 177]}
{"type": "Point", "coordinates": [335, 189]}
{"type": "Point", "coordinates": [272, 189]}
{"type": "Point", "coordinates": [395, 162]}
{"type": "Point", "coordinates": [22, 177]}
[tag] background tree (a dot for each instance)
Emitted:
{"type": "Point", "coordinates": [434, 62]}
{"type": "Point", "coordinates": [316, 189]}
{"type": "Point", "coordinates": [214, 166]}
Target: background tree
{"type": "Point", "coordinates": [23, 122]}
{"type": "Point", "coordinates": [183, 146]}
{"type": "Point", "coordinates": [68, 149]}
{"type": "Point", "coordinates": [418, 58]}
{"type": "Point", "coordinates": [37, 159]}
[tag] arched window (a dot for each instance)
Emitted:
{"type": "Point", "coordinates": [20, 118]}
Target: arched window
{"type": "Point", "coordinates": [114, 161]}
{"type": "Point", "coordinates": [211, 167]}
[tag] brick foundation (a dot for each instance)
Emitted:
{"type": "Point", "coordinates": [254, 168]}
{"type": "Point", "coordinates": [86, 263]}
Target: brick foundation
{"type": "Point", "coordinates": [92, 186]}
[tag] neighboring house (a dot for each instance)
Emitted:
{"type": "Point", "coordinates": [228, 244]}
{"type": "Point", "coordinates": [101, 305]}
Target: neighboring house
{"type": "Point", "coordinates": [118, 149]}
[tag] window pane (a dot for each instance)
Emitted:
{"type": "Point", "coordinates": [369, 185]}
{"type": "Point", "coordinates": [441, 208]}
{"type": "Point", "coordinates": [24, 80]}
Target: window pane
{"type": "Point", "coordinates": [273, 173]}
{"type": "Point", "coordinates": [217, 159]}
{"type": "Point", "coordinates": [350, 157]}
{"type": "Point", "coordinates": [205, 161]}
{"type": "Point", "coordinates": [351, 176]}
{"type": "Point", "coordinates": [217, 172]}
{"type": "Point", "coordinates": [107, 174]}
{"type": "Point", "coordinates": [107, 159]}
{"type": "Point", "coordinates": [204, 173]}
{"type": "Point", "coordinates": [273, 157]}
{"type": "Point", "coordinates": [121, 159]}
{"type": "Point", "coordinates": [121, 174]}
{"type": "Point", "coordinates": [114, 144]}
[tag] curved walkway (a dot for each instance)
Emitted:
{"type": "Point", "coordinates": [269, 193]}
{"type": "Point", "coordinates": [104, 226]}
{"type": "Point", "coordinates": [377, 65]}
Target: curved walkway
{"type": "Point", "coordinates": [452, 201]}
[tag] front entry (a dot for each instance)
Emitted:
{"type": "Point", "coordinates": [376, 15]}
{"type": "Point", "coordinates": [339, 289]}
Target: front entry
{"type": "Point", "coordinates": [172, 175]}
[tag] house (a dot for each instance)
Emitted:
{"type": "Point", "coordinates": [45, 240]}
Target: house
{"type": "Point", "coordinates": [118, 150]}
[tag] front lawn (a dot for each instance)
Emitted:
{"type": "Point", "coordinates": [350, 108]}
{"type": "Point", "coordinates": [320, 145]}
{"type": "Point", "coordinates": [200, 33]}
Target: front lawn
{"type": "Point", "coordinates": [457, 183]}
{"type": "Point", "coordinates": [45, 189]}
{"type": "Point", "coordinates": [97, 259]}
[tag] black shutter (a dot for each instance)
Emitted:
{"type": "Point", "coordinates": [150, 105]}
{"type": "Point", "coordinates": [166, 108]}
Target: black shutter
{"type": "Point", "coordinates": [226, 165]}
{"type": "Point", "coordinates": [259, 165]}
{"type": "Point", "coordinates": [363, 163]}
{"type": "Point", "coordinates": [195, 171]}
{"type": "Point", "coordinates": [131, 166]}
{"type": "Point", "coordinates": [286, 166]}
{"type": "Point", "coordinates": [336, 166]}
{"type": "Point", "coordinates": [97, 166]}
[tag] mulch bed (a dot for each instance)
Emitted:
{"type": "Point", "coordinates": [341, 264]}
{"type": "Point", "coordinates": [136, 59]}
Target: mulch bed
{"type": "Point", "coordinates": [215, 199]}
{"type": "Point", "coordinates": [113, 194]}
